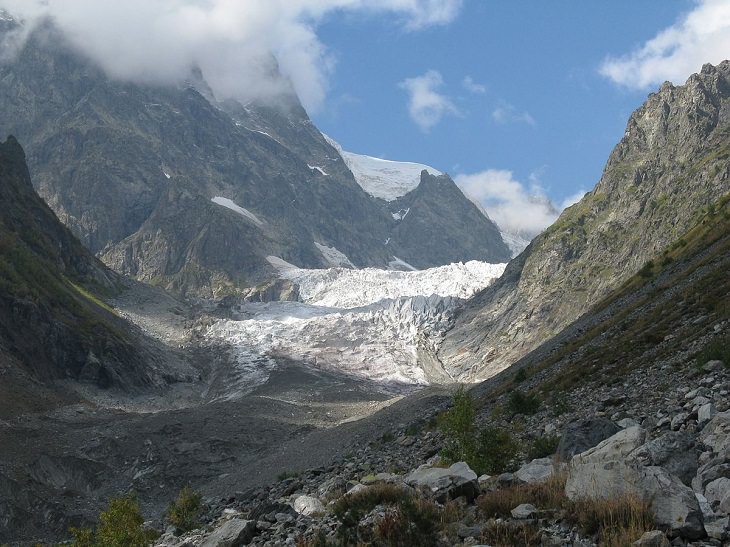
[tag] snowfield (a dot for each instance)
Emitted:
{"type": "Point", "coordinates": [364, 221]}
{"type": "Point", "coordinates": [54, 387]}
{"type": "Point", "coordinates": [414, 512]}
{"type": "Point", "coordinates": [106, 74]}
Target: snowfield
{"type": "Point", "coordinates": [376, 324]}
{"type": "Point", "coordinates": [380, 178]}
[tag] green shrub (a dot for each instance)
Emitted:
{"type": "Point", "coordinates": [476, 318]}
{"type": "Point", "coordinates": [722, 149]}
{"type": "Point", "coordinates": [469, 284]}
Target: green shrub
{"type": "Point", "coordinates": [184, 512]}
{"type": "Point", "coordinates": [647, 270]}
{"type": "Point", "coordinates": [717, 350]}
{"type": "Point", "coordinates": [543, 446]}
{"type": "Point", "coordinates": [523, 403]}
{"type": "Point", "coordinates": [120, 525]}
{"type": "Point", "coordinates": [520, 377]}
{"type": "Point", "coordinates": [496, 452]}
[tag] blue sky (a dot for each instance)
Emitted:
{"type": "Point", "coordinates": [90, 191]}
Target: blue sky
{"type": "Point", "coordinates": [513, 98]}
{"type": "Point", "coordinates": [522, 82]}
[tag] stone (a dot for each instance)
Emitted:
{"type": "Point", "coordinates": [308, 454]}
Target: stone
{"type": "Point", "coordinates": [705, 413]}
{"type": "Point", "coordinates": [333, 487]}
{"type": "Point", "coordinates": [678, 421]}
{"type": "Point", "coordinates": [524, 511]}
{"type": "Point", "coordinates": [444, 484]}
{"type": "Point", "coordinates": [232, 533]}
{"type": "Point", "coordinates": [675, 451]}
{"type": "Point", "coordinates": [380, 477]}
{"type": "Point", "coordinates": [610, 471]}
{"type": "Point", "coordinates": [653, 538]}
{"type": "Point", "coordinates": [626, 422]}
{"type": "Point", "coordinates": [717, 493]}
{"type": "Point", "coordinates": [308, 506]}
{"type": "Point", "coordinates": [536, 471]}
{"type": "Point", "coordinates": [713, 366]}
{"type": "Point", "coordinates": [716, 434]}
{"type": "Point", "coordinates": [579, 436]}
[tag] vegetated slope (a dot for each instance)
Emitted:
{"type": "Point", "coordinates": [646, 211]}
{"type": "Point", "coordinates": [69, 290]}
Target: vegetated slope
{"type": "Point", "coordinates": [133, 170]}
{"type": "Point", "coordinates": [670, 165]}
{"type": "Point", "coordinates": [52, 325]}
{"type": "Point", "coordinates": [666, 315]}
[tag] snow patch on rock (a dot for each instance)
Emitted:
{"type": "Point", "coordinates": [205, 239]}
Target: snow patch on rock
{"type": "Point", "coordinates": [381, 178]}
{"type": "Point", "coordinates": [229, 204]}
{"type": "Point", "coordinates": [334, 257]}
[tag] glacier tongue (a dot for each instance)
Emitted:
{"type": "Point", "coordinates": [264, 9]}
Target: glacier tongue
{"type": "Point", "coordinates": [375, 324]}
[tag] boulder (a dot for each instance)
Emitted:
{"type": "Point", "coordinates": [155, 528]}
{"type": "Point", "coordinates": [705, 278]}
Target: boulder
{"type": "Point", "coordinates": [716, 434]}
{"type": "Point", "coordinates": [674, 451]}
{"type": "Point", "coordinates": [536, 471]}
{"type": "Point", "coordinates": [444, 484]}
{"type": "Point", "coordinates": [717, 493]}
{"type": "Point", "coordinates": [582, 435]}
{"type": "Point", "coordinates": [232, 533]}
{"type": "Point", "coordinates": [653, 538]}
{"type": "Point", "coordinates": [524, 511]}
{"type": "Point", "coordinates": [705, 413]}
{"type": "Point", "coordinates": [609, 470]}
{"type": "Point", "coordinates": [308, 506]}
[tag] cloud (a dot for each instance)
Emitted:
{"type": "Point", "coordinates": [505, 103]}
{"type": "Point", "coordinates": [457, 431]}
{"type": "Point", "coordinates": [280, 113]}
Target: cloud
{"type": "Point", "coordinates": [426, 105]}
{"type": "Point", "coordinates": [572, 199]}
{"type": "Point", "coordinates": [515, 208]}
{"type": "Point", "coordinates": [472, 87]}
{"type": "Point", "coordinates": [506, 113]}
{"type": "Point", "coordinates": [701, 36]}
{"type": "Point", "coordinates": [231, 41]}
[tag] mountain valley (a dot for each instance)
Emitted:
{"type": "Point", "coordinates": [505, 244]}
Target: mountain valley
{"type": "Point", "coordinates": [217, 295]}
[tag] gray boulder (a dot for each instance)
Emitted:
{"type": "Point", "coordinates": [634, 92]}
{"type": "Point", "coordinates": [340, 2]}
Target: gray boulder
{"type": "Point", "coordinates": [444, 484]}
{"type": "Point", "coordinates": [524, 511]}
{"type": "Point", "coordinates": [716, 434]}
{"type": "Point", "coordinates": [609, 470]}
{"type": "Point", "coordinates": [582, 435]}
{"type": "Point", "coordinates": [536, 471]}
{"type": "Point", "coordinates": [674, 451]}
{"type": "Point", "coordinates": [653, 538]}
{"type": "Point", "coordinates": [232, 533]}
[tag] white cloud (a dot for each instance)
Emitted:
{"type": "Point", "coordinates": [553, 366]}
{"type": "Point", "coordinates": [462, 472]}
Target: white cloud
{"type": "Point", "coordinates": [426, 105]}
{"type": "Point", "coordinates": [507, 113]}
{"type": "Point", "coordinates": [230, 40]}
{"type": "Point", "coordinates": [701, 36]}
{"type": "Point", "coordinates": [472, 87]}
{"type": "Point", "coordinates": [572, 199]}
{"type": "Point", "coordinates": [515, 208]}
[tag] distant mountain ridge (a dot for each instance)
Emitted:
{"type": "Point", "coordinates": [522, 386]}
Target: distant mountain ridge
{"type": "Point", "coordinates": [670, 166]}
{"type": "Point", "coordinates": [132, 170]}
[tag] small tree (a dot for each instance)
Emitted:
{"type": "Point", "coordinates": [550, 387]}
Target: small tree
{"type": "Point", "coordinates": [184, 512]}
{"type": "Point", "coordinates": [459, 428]}
{"type": "Point", "coordinates": [120, 525]}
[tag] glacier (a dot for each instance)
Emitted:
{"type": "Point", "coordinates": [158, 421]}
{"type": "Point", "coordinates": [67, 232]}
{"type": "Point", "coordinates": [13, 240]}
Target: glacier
{"type": "Point", "coordinates": [381, 325]}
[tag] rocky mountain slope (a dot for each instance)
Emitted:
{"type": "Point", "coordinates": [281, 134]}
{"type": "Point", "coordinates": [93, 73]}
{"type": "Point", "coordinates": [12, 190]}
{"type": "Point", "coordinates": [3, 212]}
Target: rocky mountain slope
{"type": "Point", "coordinates": [173, 187]}
{"type": "Point", "coordinates": [671, 164]}
{"type": "Point", "coordinates": [53, 326]}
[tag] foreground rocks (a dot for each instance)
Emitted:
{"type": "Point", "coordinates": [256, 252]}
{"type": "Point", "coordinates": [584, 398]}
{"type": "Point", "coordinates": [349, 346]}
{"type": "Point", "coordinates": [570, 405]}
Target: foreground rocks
{"type": "Point", "coordinates": [681, 471]}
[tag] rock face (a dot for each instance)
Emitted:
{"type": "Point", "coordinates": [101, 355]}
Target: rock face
{"type": "Point", "coordinates": [133, 171]}
{"type": "Point", "coordinates": [48, 281]}
{"type": "Point", "coordinates": [611, 470]}
{"type": "Point", "coordinates": [670, 164]}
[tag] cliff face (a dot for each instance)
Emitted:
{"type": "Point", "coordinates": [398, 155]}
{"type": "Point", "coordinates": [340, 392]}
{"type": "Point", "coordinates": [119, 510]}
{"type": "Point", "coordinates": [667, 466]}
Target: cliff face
{"type": "Point", "coordinates": [133, 170]}
{"type": "Point", "coordinates": [671, 164]}
{"type": "Point", "coordinates": [53, 326]}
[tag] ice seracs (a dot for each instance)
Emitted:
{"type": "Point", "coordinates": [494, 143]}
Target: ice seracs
{"type": "Point", "coordinates": [371, 323]}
